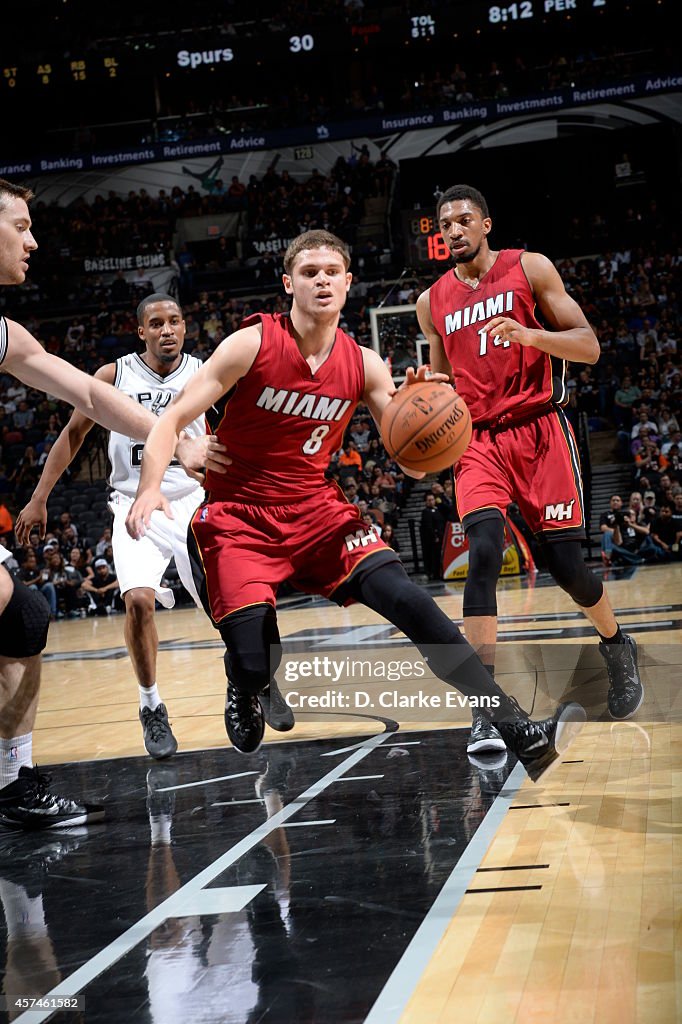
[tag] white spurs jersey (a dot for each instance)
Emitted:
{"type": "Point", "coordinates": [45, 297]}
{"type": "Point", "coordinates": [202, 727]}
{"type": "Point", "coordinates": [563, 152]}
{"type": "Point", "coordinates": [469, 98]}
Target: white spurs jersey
{"type": "Point", "coordinates": [136, 379]}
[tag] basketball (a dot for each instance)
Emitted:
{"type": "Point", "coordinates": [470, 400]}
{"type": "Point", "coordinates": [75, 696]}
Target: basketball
{"type": "Point", "coordinates": [426, 427]}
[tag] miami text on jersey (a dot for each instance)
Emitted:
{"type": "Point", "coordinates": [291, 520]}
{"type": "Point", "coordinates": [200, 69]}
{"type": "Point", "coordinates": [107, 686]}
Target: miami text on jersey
{"type": "Point", "coordinates": [477, 312]}
{"type": "Point", "coordinates": [311, 407]}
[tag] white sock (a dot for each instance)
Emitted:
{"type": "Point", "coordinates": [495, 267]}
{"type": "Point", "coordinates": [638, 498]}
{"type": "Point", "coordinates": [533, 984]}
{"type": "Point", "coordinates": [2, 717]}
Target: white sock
{"type": "Point", "coordinates": [15, 753]}
{"type": "Point", "coordinates": [22, 913]}
{"type": "Point", "coordinates": [149, 697]}
{"type": "Point", "coordinates": [160, 826]}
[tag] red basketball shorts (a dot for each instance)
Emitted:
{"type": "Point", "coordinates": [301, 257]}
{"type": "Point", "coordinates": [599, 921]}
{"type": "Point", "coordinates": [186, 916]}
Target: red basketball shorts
{"type": "Point", "coordinates": [241, 553]}
{"type": "Point", "coordinates": [535, 464]}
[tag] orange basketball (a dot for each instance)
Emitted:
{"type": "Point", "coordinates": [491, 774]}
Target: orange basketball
{"type": "Point", "coordinates": [426, 427]}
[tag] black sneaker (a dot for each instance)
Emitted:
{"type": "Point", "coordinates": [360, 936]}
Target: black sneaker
{"type": "Point", "coordinates": [539, 745]}
{"type": "Point", "coordinates": [244, 720]}
{"type": "Point", "coordinates": [278, 714]}
{"type": "Point", "coordinates": [159, 741]}
{"type": "Point", "coordinates": [28, 803]}
{"type": "Point", "coordinates": [484, 737]}
{"type": "Point", "coordinates": [626, 692]}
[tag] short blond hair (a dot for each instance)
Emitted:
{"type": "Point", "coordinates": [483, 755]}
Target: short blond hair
{"type": "Point", "coordinates": [315, 240]}
{"type": "Point", "coordinates": [9, 190]}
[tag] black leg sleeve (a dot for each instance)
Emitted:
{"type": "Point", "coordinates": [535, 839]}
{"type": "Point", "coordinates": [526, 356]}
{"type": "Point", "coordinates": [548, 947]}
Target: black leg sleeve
{"type": "Point", "coordinates": [389, 592]}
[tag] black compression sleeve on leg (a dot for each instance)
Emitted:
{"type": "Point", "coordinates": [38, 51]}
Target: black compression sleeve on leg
{"type": "Point", "coordinates": [485, 534]}
{"type": "Point", "coordinates": [566, 563]}
{"type": "Point", "coordinates": [254, 650]}
{"type": "Point", "coordinates": [389, 592]}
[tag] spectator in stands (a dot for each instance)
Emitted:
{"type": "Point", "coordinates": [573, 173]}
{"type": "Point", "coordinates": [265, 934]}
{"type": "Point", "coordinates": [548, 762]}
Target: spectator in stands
{"type": "Point", "coordinates": [360, 433]}
{"type": "Point", "coordinates": [103, 543]}
{"type": "Point", "coordinates": [443, 502]}
{"type": "Point", "coordinates": [649, 510]}
{"type": "Point", "coordinates": [350, 489]}
{"type": "Point", "coordinates": [102, 588]}
{"type": "Point", "coordinates": [386, 480]}
{"type": "Point", "coordinates": [66, 581]}
{"type": "Point", "coordinates": [672, 460]}
{"type": "Point", "coordinates": [623, 400]}
{"type": "Point", "coordinates": [644, 422]}
{"type": "Point", "coordinates": [432, 531]}
{"type": "Point", "coordinates": [39, 579]}
{"type": "Point", "coordinates": [78, 560]}
{"type": "Point", "coordinates": [619, 537]}
{"type": "Point", "coordinates": [378, 501]}
{"type": "Point", "coordinates": [389, 536]}
{"type": "Point", "coordinates": [350, 460]}
{"type": "Point", "coordinates": [23, 417]}
{"type": "Point", "coordinates": [665, 533]}
{"type": "Point", "coordinates": [674, 438]}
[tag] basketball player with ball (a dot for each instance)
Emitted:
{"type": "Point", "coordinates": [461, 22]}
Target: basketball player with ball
{"type": "Point", "coordinates": [479, 319]}
{"type": "Point", "coordinates": [288, 387]}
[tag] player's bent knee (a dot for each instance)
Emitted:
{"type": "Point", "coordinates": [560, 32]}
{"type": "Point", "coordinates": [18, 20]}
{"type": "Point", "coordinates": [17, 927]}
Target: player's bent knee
{"type": "Point", "coordinates": [566, 564]}
{"type": "Point", "coordinates": [24, 623]}
{"type": "Point", "coordinates": [139, 602]}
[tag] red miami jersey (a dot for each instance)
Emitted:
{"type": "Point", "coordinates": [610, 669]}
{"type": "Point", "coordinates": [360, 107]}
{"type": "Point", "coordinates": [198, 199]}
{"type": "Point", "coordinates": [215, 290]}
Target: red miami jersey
{"type": "Point", "coordinates": [496, 379]}
{"type": "Point", "coordinates": [281, 423]}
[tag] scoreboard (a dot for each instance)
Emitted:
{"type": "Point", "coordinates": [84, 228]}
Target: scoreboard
{"type": "Point", "coordinates": [62, 71]}
{"type": "Point", "coordinates": [424, 245]}
{"type": "Point", "coordinates": [188, 53]}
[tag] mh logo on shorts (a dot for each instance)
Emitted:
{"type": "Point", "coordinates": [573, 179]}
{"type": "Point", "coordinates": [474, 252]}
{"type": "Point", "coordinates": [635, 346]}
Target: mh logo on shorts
{"type": "Point", "coordinates": [361, 538]}
{"type": "Point", "coordinates": [562, 510]}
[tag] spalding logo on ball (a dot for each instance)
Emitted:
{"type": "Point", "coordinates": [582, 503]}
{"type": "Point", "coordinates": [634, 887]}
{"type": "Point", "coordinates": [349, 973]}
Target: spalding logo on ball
{"type": "Point", "coordinates": [426, 427]}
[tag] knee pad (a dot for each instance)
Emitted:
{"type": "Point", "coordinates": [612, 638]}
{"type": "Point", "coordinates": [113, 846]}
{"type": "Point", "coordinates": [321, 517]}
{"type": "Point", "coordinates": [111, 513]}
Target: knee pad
{"type": "Point", "coordinates": [254, 649]}
{"type": "Point", "coordinates": [486, 542]}
{"type": "Point", "coordinates": [24, 623]}
{"type": "Point", "coordinates": [566, 564]}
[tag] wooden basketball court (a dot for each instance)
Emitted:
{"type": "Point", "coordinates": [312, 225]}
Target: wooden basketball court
{"type": "Point", "coordinates": [483, 897]}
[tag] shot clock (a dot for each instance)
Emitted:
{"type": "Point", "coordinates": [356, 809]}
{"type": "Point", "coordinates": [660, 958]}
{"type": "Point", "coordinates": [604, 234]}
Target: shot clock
{"type": "Point", "coordinates": [423, 241]}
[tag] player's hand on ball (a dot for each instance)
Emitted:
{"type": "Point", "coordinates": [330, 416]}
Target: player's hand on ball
{"type": "Point", "coordinates": [420, 375]}
{"type": "Point", "coordinates": [197, 454]}
{"type": "Point", "coordinates": [32, 515]}
{"type": "Point", "coordinates": [506, 329]}
{"type": "Point", "coordinates": [140, 513]}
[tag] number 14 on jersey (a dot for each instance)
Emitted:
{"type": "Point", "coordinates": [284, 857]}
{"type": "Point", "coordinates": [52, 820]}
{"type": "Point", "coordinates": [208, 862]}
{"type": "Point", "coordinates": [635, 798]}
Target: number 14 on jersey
{"type": "Point", "coordinates": [483, 335]}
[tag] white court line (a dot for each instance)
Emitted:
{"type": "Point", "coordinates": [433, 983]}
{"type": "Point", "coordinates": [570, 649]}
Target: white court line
{"type": "Point", "coordinates": [356, 778]}
{"type": "Point", "coordinates": [203, 782]}
{"type": "Point", "coordinates": [120, 946]}
{"type": "Point", "coordinates": [234, 803]}
{"type": "Point", "coordinates": [397, 991]}
{"type": "Point", "coordinates": [404, 743]}
{"type": "Point", "coordinates": [302, 824]}
{"type": "Point", "coordinates": [228, 900]}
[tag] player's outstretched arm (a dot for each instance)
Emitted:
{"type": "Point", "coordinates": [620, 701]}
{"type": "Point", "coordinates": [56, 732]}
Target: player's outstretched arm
{"type": "Point", "coordinates": [437, 357]}
{"type": "Point", "coordinates": [571, 336]}
{"type": "Point", "coordinates": [230, 361]}
{"type": "Point", "coordinates": [98, 401]}
{"type": "Point", "coordinates": [62, 454]}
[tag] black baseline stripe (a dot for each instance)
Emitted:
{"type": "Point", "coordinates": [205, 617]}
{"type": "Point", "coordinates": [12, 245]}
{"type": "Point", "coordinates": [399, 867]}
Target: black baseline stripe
{"type": "Point", "coordinates": [505, 888]}
{"type": "Point", "coordinates": [517, 867]}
